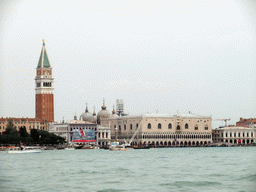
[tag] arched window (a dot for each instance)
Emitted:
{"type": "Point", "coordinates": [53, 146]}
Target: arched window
{"type": "Point", "coordinates": [119, 127]}
{"type": "Point", "coordinates": [186, 126]}
{"type": "Point", "coordinates": [149, 126]}
{"type": "Point", "coordinates": [206, 127]}
{"type": "Point", "coordinates": [169, 126]}
{"type": "Point", "coordinates": [159, 126]}
{"type": "Point", "coordinates": [178, 127]}
{"type": "Point", "coordinates": [137, 126]}
{"type": "Point", "coordinates": [124, 127]}
{"type": "Point", "coordinates": [130, 126]}
{"type": "Point", "coordinates": [196, 127]}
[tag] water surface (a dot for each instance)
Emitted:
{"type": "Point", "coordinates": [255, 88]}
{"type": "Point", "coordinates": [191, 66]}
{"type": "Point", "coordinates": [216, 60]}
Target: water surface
{"type": "Point", "coordinates": [169, 169]}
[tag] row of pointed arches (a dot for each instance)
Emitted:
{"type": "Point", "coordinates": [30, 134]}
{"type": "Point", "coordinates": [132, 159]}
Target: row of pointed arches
{"type": "Point", "coordinates": [173, 143]}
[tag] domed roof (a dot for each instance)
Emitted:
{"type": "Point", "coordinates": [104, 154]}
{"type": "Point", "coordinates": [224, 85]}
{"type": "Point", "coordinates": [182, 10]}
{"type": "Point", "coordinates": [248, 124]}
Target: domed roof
{"type": "Point", "coordinates": [87, 116]}
{"type": "Point", "coordinates": [104, 113]}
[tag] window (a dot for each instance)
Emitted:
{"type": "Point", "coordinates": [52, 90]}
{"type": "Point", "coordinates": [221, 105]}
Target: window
{"type": "Point", "coordinates": [159, 126]}
{"type": "Point", "coordinates": [169, 126]}
{"type": "Point", "coordinates": [124, 127]}
{"type": "Point", "coordinates": [178, 127]}
{"type": "Point", "coordinates": [196, 127]}
{"type": "Point", "coordinates": [149, 126]}
{"type": "Point", "coordinates": [206, 127]}
{"type": "Point", "coordinates": [137, 126]}
{"type": "Point", "coordinates": [130, 126]}
{"type": "Point", "coordinates": [119, 127]}
{"type": "Point", "coordinates": [0, 127]}
{"type": "Point", "coordinates": [186, 126]}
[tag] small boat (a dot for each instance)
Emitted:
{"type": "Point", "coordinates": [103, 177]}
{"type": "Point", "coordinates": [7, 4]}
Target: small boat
{"type": "Point", "coordinates": [115, 146]}
{"type": "Point", "coordinates": [141, 147]}
{"type": "Point", "coordinates": [24, 150]}
{"type": "Point", "coordinates": [70, 148]}
{"type": "Point", "coordinates": [87, 147]}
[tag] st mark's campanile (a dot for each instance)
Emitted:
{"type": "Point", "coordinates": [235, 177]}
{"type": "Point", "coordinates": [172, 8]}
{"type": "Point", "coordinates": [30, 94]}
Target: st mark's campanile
{"type": "Point", "coordinates": [44, 88]}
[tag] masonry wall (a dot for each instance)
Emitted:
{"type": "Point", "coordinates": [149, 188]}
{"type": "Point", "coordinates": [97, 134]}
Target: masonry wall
{"type": "Point", "coordinates": [45, 107]}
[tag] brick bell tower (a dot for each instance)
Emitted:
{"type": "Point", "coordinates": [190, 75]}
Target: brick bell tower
{"type": "Point", "coordinates": [44, 88]}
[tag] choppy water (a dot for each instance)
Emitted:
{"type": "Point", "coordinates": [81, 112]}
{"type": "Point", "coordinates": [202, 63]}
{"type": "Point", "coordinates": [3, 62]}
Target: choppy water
{"type": "Point", "coordinates": [171, 169]}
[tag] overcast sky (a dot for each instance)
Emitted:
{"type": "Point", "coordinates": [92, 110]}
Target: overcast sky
{"type": "Point", "coordinates": [185, 55]}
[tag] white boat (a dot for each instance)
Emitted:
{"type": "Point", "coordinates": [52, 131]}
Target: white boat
{"type": "Point", "coordinates": [116, 147]}
{"type": "Point", "coordinates": [24, 150]}
{"type": "Point", "coordinates": [69, 148]}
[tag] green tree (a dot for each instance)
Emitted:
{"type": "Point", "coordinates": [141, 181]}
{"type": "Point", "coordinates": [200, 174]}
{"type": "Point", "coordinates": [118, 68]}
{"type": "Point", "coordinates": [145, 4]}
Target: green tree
{"type": "Point", "coordinates": [10, 129]}
{"type": "Point", "coordinates": [10, 136]}
{"type": "Point", "coordinates": [25, 136]}
{"type": "Point", "coordinates": [34, 135]}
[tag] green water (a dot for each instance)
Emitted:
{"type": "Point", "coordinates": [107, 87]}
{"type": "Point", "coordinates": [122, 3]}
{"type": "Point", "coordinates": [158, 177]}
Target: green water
{"type": "Point", "coordinates": [170, 169]}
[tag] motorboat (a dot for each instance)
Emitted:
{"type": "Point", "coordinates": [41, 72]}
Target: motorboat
{"type": "Point", "coordinates": [70, 148]}
{"type": "Point", "coordinates": [24, 150]}
{"type": "Point", "coordinates": [115, 146]}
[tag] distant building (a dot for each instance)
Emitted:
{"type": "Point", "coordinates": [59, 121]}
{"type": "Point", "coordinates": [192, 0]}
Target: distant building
{"type": "Point", "coordinates": [103, 136]}
{"type": "Point", "coordinates": [234, 135]}
{"type": "Point", "coordinates": [44, 104]}
{"type": "Point", "coordinates": [161, 129]}
{"type": "Point", "coordinates": [246, 122]}
{"type": "Point", "coordinates": [29, 123]}
{"type": "Point", "coordinates": [66, 129]}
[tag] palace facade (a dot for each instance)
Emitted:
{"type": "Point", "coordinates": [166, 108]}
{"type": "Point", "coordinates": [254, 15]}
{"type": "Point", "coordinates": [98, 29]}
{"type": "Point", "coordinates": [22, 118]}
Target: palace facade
{"type": "Point", "coordinates": [161, 129]}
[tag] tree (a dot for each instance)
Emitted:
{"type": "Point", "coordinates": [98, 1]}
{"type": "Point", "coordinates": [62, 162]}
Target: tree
{"type": "Point", "coordinates": [10, 129]}
{"type": "Point", "coordinates": [25, 136]}
{"type": "Point", "coordinates": [34, 135]}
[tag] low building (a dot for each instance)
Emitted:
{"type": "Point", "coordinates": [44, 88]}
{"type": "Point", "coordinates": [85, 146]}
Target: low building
{"type": "Point", "coordinates": [161, 129]}
{"type": "Point", "coordinates": [66, 129]}
{"type": "Point", "coordinates": [246, 122]}
{"type": "Point", "coordinates": [234, 135]}
{"type": "Point", "coordinates": [29, 123]}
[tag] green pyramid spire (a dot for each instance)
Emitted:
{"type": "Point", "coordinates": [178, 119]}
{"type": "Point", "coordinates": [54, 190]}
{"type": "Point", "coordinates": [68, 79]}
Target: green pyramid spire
{"type": "Point", "coordinates": [43, 60]}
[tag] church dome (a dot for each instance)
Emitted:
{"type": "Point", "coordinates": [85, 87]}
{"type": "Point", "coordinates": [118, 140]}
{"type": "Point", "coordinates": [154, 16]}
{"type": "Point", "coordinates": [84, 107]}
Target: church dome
{"type": "Point", "coordinates": [104, 113]}
{"type": "Point", "coordinates": [87, 116]}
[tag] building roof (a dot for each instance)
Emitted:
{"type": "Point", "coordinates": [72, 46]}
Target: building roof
{"type": "Point", "coordinates": [250, 120]}
{"type": "Point", "coordinates": [231, 128]}
{"type": "Point", "coordinates": [43, 60]}
{"type": "Point", "coordinates": [23, 119]}
{"type": "Point", "coordinates": [79, 122]}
